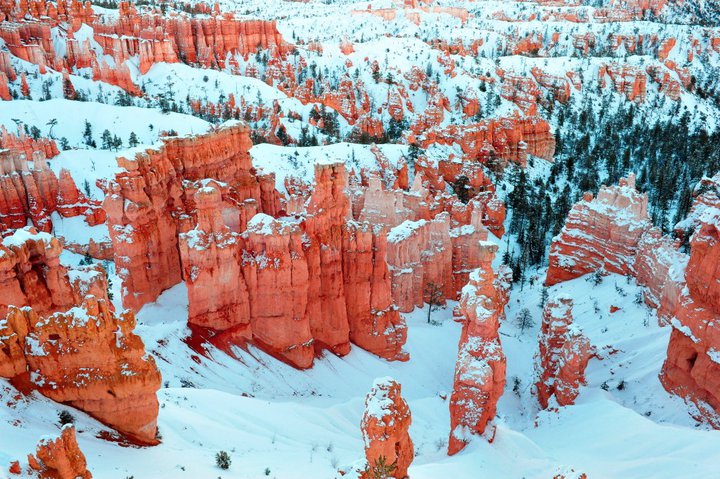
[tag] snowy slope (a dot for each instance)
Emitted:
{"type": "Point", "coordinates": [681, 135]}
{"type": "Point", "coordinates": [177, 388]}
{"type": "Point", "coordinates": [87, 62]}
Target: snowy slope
{"type": "Point", "coordinates": [302, 424]}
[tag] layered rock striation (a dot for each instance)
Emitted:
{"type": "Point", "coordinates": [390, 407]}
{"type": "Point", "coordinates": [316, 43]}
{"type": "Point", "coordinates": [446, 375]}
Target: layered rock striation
{"type": "Point", "coordinates": [600, 234]}
{"type": "Point", "coordinates": [563, 356]}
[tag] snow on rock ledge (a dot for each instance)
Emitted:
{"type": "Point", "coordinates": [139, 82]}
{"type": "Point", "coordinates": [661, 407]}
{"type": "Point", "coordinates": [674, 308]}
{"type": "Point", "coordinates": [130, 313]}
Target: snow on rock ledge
{"type": "Point", "coordinates": [600, 233]}
{"type": "Point", "coordinates": [385, 425]}
{"type": "Point", "coordinates": [59, 458]}
{"type": "Point", "coordinates": [480, 368]}
{"type": "Point", "coordinates": [563, 356]}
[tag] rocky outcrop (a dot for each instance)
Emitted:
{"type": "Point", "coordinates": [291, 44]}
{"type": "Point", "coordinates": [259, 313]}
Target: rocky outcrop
{"type": "Point", "coordinates": [151, 36]}
{"type": "Point", "coordinates": [59, 458]}
{"type": "Point", "coordinates": [61, 338]}
{"type": "Point", "coordinates": [660, 267]}
{"type": "Point", "coordinates": [600, 233]}
{"type": "Point", "coordinates": [626, 79]}
{"type": "Point", "coordinates": [419, 255]}
{"type": "Point", "coordinates": [275, 267]}
{"type": "Point", "coordinates": [613, 232]}
{"type": "Point", "coordinates": [374, 320]}
{"type": "Point", "coordinates": [292, 285]}
{"type": "Point", "coordinates": [31, 275]}
{"type": "Point", "coordinates": [150, 201]}
{"type": "Point", "coordinates": [563, 356]}
{"type": "Point", "coordinates": [692, 367]}
{"type": "Point", "coordinates": [206, 40]}
{"type": "Point", "coordinates": [30, 192]}
{"type": "Point", "coordinates": [504, 139]}
{"type": "Point", "coordinates": [480, 369]}
{"type": "Point", "coordinates": [211, 266]}
{"type": "Point", "coordinates": [384, 426]}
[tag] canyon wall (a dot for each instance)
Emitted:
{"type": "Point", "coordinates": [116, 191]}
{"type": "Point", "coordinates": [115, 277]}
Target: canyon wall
{"type": "Point", "coordinates": [613, 233]}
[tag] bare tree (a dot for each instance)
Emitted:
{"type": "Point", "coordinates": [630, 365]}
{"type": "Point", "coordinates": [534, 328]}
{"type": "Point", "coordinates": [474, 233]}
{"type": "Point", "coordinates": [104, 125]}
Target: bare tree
{"type": "Point", "coordinates": [52, 123]}
{"type": "Point", "coordinates": [434, 297]}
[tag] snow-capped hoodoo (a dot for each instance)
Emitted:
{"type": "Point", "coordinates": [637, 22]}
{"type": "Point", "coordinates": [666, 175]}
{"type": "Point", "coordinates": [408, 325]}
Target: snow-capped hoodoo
{"type": "Point", "coordinates": [480, 369]}
{"type": "Point", "coordinates": [385, 424]}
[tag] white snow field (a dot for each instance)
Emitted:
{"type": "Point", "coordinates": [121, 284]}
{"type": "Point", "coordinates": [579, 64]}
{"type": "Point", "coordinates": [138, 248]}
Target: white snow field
{"type": "Point", "coordinates": [279, 422]}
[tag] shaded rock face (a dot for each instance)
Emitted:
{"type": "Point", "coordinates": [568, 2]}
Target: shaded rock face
{"type": "Point", "coordinates": [703, 270]}
{"type": "Point", "coordinates": [563, 356]}
{"type": "Point", "coordinates": [480, 369]}
{"type": "Point", "coordinates": [385, 426]}
{"type": "Point", "coordinates": [660, 267]}
{"type": "Point", "coordinates": [150, 201]}
{"type": "Point", "coordinates": [420, 254]}
{"type": "Point", "coordinates": [692, 367]}
{"type": "Point", "coordinates": [59, 336]}
{"type": "Point", "coordinates": [374, 320]}
{"type": "Point", "coordinates": [30, 192]}
{"type": "Point", "coordinates": [600, 233]}
{"type": "Point", "coordinates": [59, 458]}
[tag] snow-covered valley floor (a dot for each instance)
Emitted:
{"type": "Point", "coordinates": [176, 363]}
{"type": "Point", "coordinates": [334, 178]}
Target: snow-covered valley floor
{"type": "Point", "coordinates": [278, 422]}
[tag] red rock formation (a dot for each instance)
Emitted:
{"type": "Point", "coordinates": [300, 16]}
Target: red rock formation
{"type": "Point", "coordinates": [291, 286]}
{"type": "Point", "coordinates": [59, 458]}
{"type": "Point", "coordinates": [692, 367]}
{"type": "Point", "coordinates": [506, 139]}
{"type": "Point", "coordinates": [4, 89]}
{"type": "Point", "coordinates": [147, 203]}
{"type": "Point", "coordinates": [419, 255]}
{"type": "Point", "coordinates": [375, 323]}
{"type": "Point", "coordinates": [613, 232]}
{"type": "Point", "coordinates": [628, 80]}
{"type": "Point", "coordinates": [557, 85]}
{"type": "Point", "coordinates": [27, 145]}
{"type": "Point", "coordinates": [327, 211]}
{"type": "Point", "coordinates": [276, 270]}
{"type": "Point", "coordinates": [659, 266]}
{"type": "Point", "coordinates": [104, 370]}
{"type": "Point", "coordinates": [384, 426]}
{"type": "Point", "coordinates": [600, 233]}
{"type": "Point", "coordinates": [521, 90]}
{"type": "Point", "coordinates": [564, 354]}
{"type": "Point", "coordinates": [480, 369]}
{"type": "Point", "coordinates": [211, 267]}
{"type": "Point", "coordinates": [30, 192]}
{"type": "Point", "coordinates": [703, 270]}
{"type": "Point", "coordinates": [33, 276]}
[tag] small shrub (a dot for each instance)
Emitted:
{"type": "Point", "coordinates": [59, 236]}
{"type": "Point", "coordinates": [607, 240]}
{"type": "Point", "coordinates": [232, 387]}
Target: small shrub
{"type": "Point", "coordinates": [65, 417]}
{"type": "Point", "coordinates": [222, 459]}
